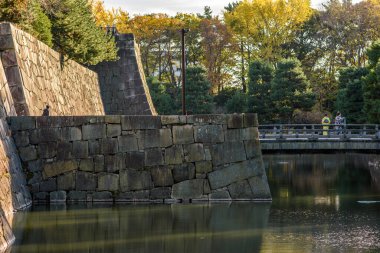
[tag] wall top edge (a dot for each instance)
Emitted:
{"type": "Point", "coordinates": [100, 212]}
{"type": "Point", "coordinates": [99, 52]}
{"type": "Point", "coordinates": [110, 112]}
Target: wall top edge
{"type": "Point", "coordinates": [135, 121]}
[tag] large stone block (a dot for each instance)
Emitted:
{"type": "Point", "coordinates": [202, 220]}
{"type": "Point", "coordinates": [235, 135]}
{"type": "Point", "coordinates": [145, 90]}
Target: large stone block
{"type": "Point", "coordinates": [228, 152]}
{"type": "Point", "coordinates": [133, 196]}
{"type": "Point", "coordinates": [80, 149]}
{"type": "Point", "coordinates": [233, 135]}
{"type": "Point", "coordinates": [47, 150]}
{"type": "Point", "coordinates": [48, 185]}
{"type": "Point", "coordinates": [183, 172]}
{"type": "Point", "coordinates": [134, 160]}
{"type": "Point", "coordinates": [109, 146]}
{"type": "Point", "coordinates": [240, 190]}
{"type": "Point", "coordinates": [21, 138]}
{"type": "Point", "coordinates": [66, 181]}
{"type": "Point", "coordinates": [140, 122]}
{"type": "Point", "coordinates": [260, 188]}
{"type": "Point", "coordinates": [155, 138]}
{"type": "Point", "coordinates": [250, 133]}
{"type": "Point", "coordinates": [57, 168]}
{"type": "Point", "coordinates": [234, 173]}
{"type": "Point", "coordinates": [108, 182]}
{"type": "Point", "coordinates": [86, 165]}
{"type": "Point", "coordinates": [64, 151]}
{"type": "Point", "coordinates": [113, 130]}
{"type": "Point", "coordinates": [104, 196]}
{"type": "Point", "coordinates": [95, 131]}
{"type": "Point", "coordinates": [204, 119]}
{"type": "Point", "coordinates": [153, 157]}
{"type": "Point", "coordinates": [161, 177]}
{"type": "Point", "coordinates": [190, 189]}
{"type": "Point", "coordinates": [99, 163]}
{"type": "Point", "coordinates": [94, 147]}
{"type": "Point", "coordinates": [209, 134]}
{"type": "Point", "coordinates": [235, 121]}
{"type": "Point", "coordinates": [85, 181]}
{"type": "Point", "coordinates": [28, 153]}
{"type": "Point", "coordinates": [183, 134]}
{"type": "Point", "coordinates": [134, 180]}
{"type": "Point", "coordinates": [252, 148]}
{"type": "Point", "coordinates": [169, 119]}
{"type": "Point", "coordinates": [219, 196]}
{"type": "Point", "coordinates": [174, 155]}
{"type": "Point", "coordinates": [71, 133]}
{"type": "Point", "coordinates": [115, 163]}
{"type": "Point", "coordinates": [203, 166]}
{"type": "Point", "coordinates": [194, 152]}
{"type": "Point", "coordinates": [22, 123]}
{"type": "Point", "coordinates": [161, 193]}
{"type": "Point", "coordinates": [127, 143]}
{"type": "Point", "coordinates": [45, 135]}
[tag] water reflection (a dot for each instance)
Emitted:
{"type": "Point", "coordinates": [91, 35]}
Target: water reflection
{"type": "Point", "coordinates": [321, 203]}
{"type": "Point", "coordinates": [145, 228]}
{"type": "Point", "coordinates": [322, 175]}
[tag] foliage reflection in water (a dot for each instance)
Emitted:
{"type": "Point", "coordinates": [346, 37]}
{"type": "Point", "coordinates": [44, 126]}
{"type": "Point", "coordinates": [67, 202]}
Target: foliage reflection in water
{"type": "Point", "coordinates": [315, 209]}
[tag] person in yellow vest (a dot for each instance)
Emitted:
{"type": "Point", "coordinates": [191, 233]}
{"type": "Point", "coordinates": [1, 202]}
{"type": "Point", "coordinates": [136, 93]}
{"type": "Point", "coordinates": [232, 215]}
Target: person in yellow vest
{"type": "Point", "coordinates": [326, 122]}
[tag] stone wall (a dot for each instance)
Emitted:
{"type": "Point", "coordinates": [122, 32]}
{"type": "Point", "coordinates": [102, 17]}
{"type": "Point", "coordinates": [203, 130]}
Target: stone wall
{"type": "Point", "coordinates": [14, 193]}
{"type": "Point", "coordinates": [37, 76]}
{"type": "Point", "coordinates": [123, 86]}
{"type": "Point", "coordinates": [134, 158]}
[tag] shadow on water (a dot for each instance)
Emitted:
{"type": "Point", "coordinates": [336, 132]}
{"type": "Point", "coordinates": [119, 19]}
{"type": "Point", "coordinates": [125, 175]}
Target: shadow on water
{"type": "Point", "coordinates": [233, 227]}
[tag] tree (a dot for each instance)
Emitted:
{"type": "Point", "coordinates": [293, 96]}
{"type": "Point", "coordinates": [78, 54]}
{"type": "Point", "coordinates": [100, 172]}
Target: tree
{"type": "Point", "coordinates": [76, 35]}
{"type": "Point", "coordinates": [259, 89]}
{"type": "Point", "coordinates": [216, 44]}
{"type": "Point", "coordinates": [113, 17]}
{"type": "Point", "coordinates": [198, 98]}
{"type": "Point", "coordinates": [237, 103]}
{"type": "Point", "coordinates": [372, 85]}
{"type": "Point", "coordinates": [164, 99]}
{"type": "Point", "coordinates": [290, 90]}
{"type": "Point", "coordinates": [350, 100]}
{"type": "Point", "coordinates": [29, 16]}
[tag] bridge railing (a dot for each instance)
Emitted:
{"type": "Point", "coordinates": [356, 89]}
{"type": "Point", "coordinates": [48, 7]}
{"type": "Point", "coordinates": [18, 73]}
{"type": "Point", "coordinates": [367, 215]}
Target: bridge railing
{"type": "Point", "coordinates": [369, 132]}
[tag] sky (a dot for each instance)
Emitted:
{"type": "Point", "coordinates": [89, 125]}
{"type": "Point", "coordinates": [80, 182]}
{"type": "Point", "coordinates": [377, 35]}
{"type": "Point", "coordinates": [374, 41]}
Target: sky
{"type": "Point", "coordinates": [171, 7]}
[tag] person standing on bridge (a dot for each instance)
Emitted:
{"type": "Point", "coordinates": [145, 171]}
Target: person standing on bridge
{"type": "Point", "coordinates": [338, 122]}
{"type": "Point", "coordinates": [326, 124]}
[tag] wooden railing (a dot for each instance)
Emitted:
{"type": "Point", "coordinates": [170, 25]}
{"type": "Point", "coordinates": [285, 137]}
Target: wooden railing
{"type": "Point", "coordinates": [315, 132]}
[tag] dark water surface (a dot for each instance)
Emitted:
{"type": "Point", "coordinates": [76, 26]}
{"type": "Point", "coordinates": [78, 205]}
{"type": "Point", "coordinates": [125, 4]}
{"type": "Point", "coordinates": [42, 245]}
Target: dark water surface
{"type": "Point", "coordinates": [321, 203]}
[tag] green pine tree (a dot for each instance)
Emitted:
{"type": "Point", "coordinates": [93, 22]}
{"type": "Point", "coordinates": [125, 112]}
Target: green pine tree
{"type": "Point", "coordinates": [290, 90]}
{"type": "Point", "coordinates": [350, 100]}
{"type": "Point", "coordinates": [259, 88]}
{"type": "Point", "coordinates": [198, 98]}
{"type": "Point", "coordinates": [238, 103]}
{"type": "Point", "coordinates": [76, 35]}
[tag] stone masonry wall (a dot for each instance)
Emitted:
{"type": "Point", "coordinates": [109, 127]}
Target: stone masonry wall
{"type": "Point", "coordinates": [14, 194]}
{"type": "Point", "coordinates": [123, 86]}
{"type": "Point", "coordinates": [135, 158]}
{"type": "Point", "coordinates": [37, 76]}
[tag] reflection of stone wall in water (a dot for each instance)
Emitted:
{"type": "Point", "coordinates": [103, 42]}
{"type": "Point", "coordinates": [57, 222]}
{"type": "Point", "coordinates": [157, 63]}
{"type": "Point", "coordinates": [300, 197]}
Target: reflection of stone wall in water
{"type": "Point", "coordinates": [127, 158]}
{"type": "Point", "coordinates": [37, 76]}
{"type": "Point", "coordinates": [123, 86]}
{"type": "Point", "coordinates": [159, 228]}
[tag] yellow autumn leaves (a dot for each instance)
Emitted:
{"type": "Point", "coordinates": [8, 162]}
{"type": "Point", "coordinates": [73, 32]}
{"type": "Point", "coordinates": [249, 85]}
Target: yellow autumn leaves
{"type": "Point", "coordinates": [268, 24]}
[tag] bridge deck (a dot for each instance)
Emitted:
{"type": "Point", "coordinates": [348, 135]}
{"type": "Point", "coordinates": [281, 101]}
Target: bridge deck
{"type": "Point", "coordinates": [315, 137]}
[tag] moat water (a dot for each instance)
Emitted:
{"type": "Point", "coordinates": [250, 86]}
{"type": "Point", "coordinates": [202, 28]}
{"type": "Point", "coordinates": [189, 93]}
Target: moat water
{"type": "Point", "coordinates": [321, 203]}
